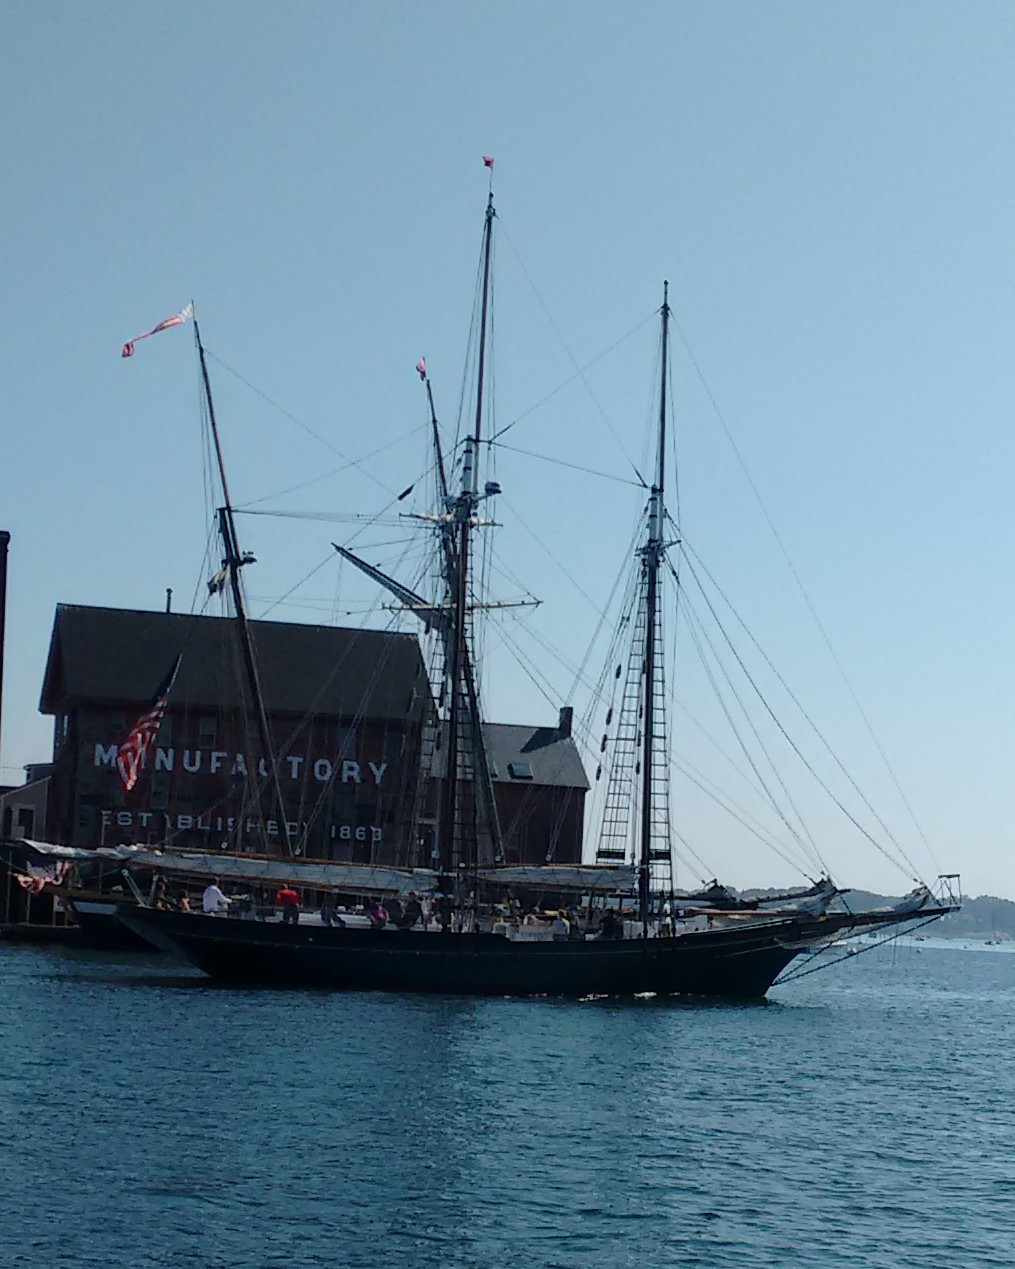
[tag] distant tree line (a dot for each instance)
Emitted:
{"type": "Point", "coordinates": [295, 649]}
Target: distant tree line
{"type": "Point", "coordinates": [984, 917]}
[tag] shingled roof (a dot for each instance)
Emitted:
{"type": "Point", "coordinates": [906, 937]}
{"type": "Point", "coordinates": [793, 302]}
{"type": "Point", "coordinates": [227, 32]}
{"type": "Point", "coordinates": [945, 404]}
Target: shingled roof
{"type": "Point", "coordinates": [119, 656]}
{"type": "Point", "coordinates": [521, 754]}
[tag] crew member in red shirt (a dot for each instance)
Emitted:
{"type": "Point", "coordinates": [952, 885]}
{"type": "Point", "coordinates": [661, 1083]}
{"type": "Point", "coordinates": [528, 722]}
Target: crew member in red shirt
{"type": "Point", "coordinates": [288, 900]}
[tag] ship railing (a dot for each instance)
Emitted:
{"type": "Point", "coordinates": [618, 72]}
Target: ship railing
{"type": "Point", "coordinates": [947, 890]}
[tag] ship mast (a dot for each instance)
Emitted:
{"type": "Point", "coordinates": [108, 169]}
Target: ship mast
{"type": "Point", "coordinates": [652, 556]}
{"type": "Point", "coordinates": [232, 562]}
{"type": "Point", "coordinates": [463, 710]}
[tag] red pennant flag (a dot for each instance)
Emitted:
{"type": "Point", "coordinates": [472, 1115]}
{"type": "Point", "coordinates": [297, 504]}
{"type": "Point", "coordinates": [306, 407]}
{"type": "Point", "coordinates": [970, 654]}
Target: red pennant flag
{"type": "Point", "coordinates": [421, 368]}
{"type": "Point", "coordinates": [487, 161]}
{"type": "Point", "coordinates": [184, 315]}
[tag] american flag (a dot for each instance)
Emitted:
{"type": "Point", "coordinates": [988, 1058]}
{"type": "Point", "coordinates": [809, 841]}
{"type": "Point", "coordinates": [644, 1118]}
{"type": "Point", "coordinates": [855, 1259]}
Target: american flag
{"type": "Point", "coordinates": [37, 878]}
{"type": "Point", "coordinates": [131, 754]}
{"type": "Point", "coordinates": [177, 319]}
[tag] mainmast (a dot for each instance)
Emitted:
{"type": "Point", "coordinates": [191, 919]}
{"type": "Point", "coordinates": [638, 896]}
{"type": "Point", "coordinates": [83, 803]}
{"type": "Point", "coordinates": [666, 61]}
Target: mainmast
{"type": "Point", "coordinates": [464, 706]}
{"type": "Point", "coordinates": [232, 562]}
{"type": "Point", "coordinates": [652, 556]}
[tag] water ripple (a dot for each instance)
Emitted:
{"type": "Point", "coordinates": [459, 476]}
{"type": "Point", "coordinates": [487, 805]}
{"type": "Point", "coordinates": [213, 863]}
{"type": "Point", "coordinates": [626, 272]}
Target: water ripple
{"type": "Point", "coordinates": [150, 1119]}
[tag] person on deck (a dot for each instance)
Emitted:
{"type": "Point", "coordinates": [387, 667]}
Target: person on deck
{"type": "Point", "coordinates": [213, 900]}
{"type": "Point", "coordinates": [413, 912]}
{"type": "Point", "coordinates": [288, 900]}
{"type": "Point", "coordinates": [378, 915]}
{"type": "Point", "coordinates": [611, 926]}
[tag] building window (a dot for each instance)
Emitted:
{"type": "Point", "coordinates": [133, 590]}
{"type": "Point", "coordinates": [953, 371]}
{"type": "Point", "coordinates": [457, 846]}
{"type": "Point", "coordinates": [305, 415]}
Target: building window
{"type": "Point", "coordinates": [520, 770]}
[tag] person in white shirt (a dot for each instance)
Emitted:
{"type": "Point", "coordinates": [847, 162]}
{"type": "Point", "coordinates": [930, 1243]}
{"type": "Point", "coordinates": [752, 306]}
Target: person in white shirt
{"type": "Point", "coordinates": [214, 901]}
{"type": "Point", "coordinates": [560, 926]}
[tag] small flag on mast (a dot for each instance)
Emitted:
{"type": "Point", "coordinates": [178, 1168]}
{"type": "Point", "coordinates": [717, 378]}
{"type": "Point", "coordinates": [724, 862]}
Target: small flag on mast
{"type": "Point", "coordinates": [184, 315]}
{"type": "Point", "coordinates": [131, 754]}
{"type": "Point", "coordinates": [487, 160]}
{"type": "Point", "coordinates": [421, 368]}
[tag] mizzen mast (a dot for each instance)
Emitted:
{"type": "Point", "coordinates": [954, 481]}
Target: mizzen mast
{"type": "Point", "coordinates": [232, 562]}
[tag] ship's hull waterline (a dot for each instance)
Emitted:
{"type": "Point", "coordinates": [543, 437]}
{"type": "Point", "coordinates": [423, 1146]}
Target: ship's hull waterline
{"type": "Point", "coordinates": [741, 962]}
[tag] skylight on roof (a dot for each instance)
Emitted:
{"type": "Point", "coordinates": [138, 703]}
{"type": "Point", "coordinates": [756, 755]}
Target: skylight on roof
{"type": "Point", "coordinates": [520, 770]}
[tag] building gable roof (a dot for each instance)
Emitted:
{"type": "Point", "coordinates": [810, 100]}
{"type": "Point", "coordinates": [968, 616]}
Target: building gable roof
{"type": "Point", "coordinates": [524, 755]}
{"type": "Point", "coordinates": [552, 757]}
{"type": "Point", "coordinates": [120, 657]}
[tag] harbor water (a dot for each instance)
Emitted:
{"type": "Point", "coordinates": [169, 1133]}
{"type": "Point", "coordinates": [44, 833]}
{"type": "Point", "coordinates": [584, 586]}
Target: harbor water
{"type": "Point", "coordinates": [151, 1118]}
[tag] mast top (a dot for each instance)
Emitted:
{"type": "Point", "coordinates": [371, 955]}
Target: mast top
{"type": "Point", "coordinates": [484, 305]}
{"type": "Point", "coordinates": [661, 465]}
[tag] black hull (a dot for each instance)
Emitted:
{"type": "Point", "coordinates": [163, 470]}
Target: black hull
{"type": "Point", "coordinates": [43, 935]}
{"type": "Point", "coordinates": [738, 963]}
{"type": "Point", "coordinates": [101, 930]}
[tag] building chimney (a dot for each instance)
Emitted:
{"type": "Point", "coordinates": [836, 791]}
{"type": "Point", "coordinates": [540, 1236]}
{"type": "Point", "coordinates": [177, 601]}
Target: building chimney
{"type": "Point", "coordinates": [566, 719]}
{"type": "Point", "coordinates": [5, 539]}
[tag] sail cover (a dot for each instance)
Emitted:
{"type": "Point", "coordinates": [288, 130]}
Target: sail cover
{"type": "Point", "coordinates": [583, 878]}
{"type": "Point", "coordinates": [355, 878]}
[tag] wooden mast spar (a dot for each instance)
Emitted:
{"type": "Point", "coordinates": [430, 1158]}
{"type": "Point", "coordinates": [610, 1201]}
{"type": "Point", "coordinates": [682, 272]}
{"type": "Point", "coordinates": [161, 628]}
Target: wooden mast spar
{"type": "Point", "coordinates": [457, 849]}
{"type": "Point", "coordinates": [462, 814]}
{"type": "Point", "coordinates": [232, 562]}
{"type": "Point", "coordinates": [652, 556]}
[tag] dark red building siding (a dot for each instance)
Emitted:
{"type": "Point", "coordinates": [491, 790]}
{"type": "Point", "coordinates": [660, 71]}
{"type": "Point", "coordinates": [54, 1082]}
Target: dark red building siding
{"type": "Point", "coordinates": [346, 713]}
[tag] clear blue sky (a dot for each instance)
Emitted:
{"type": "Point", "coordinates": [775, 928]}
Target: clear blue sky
{"type": "Point", "coordinates": [828, 188]}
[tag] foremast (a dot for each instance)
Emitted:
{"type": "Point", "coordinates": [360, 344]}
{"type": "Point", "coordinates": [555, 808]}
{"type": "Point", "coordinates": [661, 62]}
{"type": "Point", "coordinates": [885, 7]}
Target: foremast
{"type": "Point", "coordinates": [636, 819]}
{"type": "Point", "coordinates": [652, 558]}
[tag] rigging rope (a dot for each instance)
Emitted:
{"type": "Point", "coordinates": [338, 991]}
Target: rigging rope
{"type": "Point", "coordinates": [789, 740]}
{"type": "Point", "coordinates": [803, 592]}
{"type": "Point", "coordinates": [352, 462]}
{"type": "Point", "coordinates": [700, 640]}
{"type": "Point", "coordinates": [560, 462]}
{"type": "Point", "coordinates": [807, 718]}
{"type": "Point", "coordinates": [579, 371]}
{"type": "Point", "coordinates": [314, 480]}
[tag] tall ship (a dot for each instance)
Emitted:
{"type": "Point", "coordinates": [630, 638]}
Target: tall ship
{"type": "Point", "coordinates": [472, 904]}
